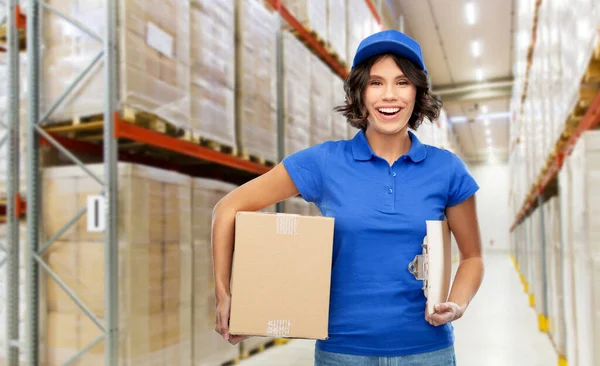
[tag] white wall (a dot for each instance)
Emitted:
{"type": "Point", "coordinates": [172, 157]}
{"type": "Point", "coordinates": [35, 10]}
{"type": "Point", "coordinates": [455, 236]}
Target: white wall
{"type": "Point", "coordinates": [492, 204]}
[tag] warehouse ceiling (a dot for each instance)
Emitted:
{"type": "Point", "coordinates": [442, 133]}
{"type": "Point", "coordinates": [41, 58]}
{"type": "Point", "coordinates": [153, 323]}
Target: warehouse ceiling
{"type": "Point", "coordinates": [475, 88]}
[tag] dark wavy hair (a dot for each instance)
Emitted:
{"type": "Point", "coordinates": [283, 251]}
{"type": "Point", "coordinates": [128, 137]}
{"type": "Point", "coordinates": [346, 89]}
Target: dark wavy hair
{"type": "Point", "coordinates": [427, 104]}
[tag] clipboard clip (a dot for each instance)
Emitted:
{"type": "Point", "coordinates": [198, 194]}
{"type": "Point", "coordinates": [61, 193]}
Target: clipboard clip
{"type": "Point", "coordinates": [419, 267]}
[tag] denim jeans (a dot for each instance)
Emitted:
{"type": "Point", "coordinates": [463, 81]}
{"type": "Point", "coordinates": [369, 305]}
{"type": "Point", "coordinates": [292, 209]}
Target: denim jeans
{"type": "Point", "coordinates": [443, 357]}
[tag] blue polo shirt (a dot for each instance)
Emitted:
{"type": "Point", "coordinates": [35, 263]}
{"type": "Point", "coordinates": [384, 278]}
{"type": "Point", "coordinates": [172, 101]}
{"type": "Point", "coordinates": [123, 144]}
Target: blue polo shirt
{"type": "Point", "coordinates": [377, 307]}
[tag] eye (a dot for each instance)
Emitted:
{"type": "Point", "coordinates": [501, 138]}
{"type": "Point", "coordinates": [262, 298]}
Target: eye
{"type": "Point", "coordinates": [375, 82]}
{"type": "Point", "coordinates": [402, 82]}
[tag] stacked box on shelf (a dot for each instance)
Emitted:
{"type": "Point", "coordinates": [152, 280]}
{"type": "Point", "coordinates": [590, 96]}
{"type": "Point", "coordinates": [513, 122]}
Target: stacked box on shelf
{"type": "Point", "coordinates": [154, 261]}
{"type": "Point", "coordinates": [321, 86]}
{"type": "Point", "coordinates": [256, 84]}
{"type": "Point", "coordinates": [339, 125]}
{"type": "Point", "coordinates": [154, 59]}
{"type": "Point", "coordinates": [296, 94]}
{"type": "Point", "coordinates": [209, 348]}
{"type": "Point", "coordinates": [336, 25]}
{"type": "Point", "coordinates": [570, 273]}
{"type": "Point", "coordinates": [310, 13]}
{"type": "Point", "coordinates": [554, 272]}
{"type": "Point", "coordinates": [213, 70]}
{"type": "Point", "coordinates": [585, 180]}
{"type": "Point", "coordinates": [296, 205]}
{"type": "Point", "coordinates": [356, 12]}
{"type": "Point", "coordinates": [22, 294]}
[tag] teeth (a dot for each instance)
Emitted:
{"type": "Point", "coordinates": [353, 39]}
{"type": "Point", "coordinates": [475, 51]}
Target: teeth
{"type": "Point", "coordinates": [389, 110]}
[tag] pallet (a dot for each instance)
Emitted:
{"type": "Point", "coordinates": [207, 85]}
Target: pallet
{"type": "Point", "coordinates": [151, 122]}
{"type": "Point", "coordinates": [245, 354]}
{"type": "Point", "coordinates": [335, 55]}
{"type": "Point", "coordinates": [232, 362]}
{"type": "Point", "coordinates": [256, 159]}
{"type": "Point", "coordinates": [209, 143]}
{"type": "Point", "coordinates": [4, 35]}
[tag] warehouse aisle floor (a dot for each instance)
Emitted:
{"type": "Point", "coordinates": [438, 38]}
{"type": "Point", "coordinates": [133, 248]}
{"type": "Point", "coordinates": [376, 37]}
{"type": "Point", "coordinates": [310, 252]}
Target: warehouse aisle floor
{"type": "Point", "coordinates": [498, 329]}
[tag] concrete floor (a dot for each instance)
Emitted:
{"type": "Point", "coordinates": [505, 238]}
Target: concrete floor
{"type": "Point", "coordinates": [499, 328]}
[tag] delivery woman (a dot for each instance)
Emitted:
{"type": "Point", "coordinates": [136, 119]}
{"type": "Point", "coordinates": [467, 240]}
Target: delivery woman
{"type": "Point", "coordinates": [381, 187]}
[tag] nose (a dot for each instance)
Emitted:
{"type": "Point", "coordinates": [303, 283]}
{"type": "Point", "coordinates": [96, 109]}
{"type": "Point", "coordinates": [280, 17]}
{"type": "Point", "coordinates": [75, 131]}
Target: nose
{"type": "Point", "coordinates": [388, 93]}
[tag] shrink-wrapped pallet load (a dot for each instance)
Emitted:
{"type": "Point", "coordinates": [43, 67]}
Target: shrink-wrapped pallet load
{"type": "Point", "coordinates": [296, 94]}
{"type": "Point", "coordinates": [339, 124]}
{"type": "Point", "coordinates": [153, 41]}
{"type": "Point", "coordinates": [336, 23]}
{"type": "Point", "coordinates": [310, 13]}
{"type": "Point", "coordinates": [321, 100]}
{"type": "Point", "coordinates": [209, 347]}
{"type": "Point", "coordinates": [154, 262]}
{"type": "Point", "coordinates": [256, 84]}
{"type": "Point", "coordinates": [585, 194]}
{"type": "Point", "coordinates": [22, 303]}
{"type": "Point", "coordinates": [213, 70]}
{"type": "Point", "coordinates": [296, 205]}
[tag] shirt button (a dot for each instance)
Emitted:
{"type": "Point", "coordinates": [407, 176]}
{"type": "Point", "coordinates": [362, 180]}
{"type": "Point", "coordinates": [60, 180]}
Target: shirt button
{"type": "Point", "coordinates": [393, 174]}
{"type": "Point", "coordinates": [390, 191]}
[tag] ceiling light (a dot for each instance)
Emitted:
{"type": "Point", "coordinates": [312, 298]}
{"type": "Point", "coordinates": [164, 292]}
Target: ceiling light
{"type": "Point", "coordinates": [487, 132]}
{"type": "Point", "coordinates": [486, 122]}
{"type": "Point", "coordinates": [479, 74]}
{"type": "Point", "coordinates": [470, 12]}
{"type": "Point", "coordinates": [476, 48]}
{"type": "Point", "coordinates": [484, 109]}
{"type": "Point", "coordinates": [489, 140]}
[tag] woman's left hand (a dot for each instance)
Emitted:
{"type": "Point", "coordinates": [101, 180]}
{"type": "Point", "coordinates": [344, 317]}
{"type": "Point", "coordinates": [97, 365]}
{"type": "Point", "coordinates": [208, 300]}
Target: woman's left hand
{"type": "Point", "coordinates": [443, 313]}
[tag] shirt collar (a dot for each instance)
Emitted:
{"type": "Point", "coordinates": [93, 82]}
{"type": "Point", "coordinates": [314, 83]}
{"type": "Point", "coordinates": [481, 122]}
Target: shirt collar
{"type": "Point", "coordinates": [361, 150]}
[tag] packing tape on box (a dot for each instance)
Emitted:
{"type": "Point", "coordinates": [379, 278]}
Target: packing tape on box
{"type": "Point", "coordinates": [279, 328]}
{"type": "Point", "coordinates": [287, 224]}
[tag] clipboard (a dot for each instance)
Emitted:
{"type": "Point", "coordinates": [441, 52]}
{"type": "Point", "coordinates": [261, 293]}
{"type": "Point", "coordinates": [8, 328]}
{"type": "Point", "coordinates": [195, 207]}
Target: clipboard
{"type": "Point", "coordinates": [434, 265]}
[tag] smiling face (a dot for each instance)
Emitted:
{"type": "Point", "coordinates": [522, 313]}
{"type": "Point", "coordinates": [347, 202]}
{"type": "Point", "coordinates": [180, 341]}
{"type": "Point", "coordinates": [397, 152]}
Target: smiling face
{"type": "Point", "coordinates": [389, 97]}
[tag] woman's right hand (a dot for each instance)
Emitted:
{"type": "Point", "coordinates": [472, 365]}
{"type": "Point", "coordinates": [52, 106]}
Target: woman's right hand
{"type": "Point", "coordinates": [222, 321]}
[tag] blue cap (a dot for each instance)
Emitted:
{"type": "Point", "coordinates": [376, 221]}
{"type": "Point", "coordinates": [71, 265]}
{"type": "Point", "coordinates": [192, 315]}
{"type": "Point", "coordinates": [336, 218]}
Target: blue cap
{"type": "Point", "coordinates": [390, 41]}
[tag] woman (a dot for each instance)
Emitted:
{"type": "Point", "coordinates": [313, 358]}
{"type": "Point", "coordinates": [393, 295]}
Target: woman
{"type": "Point", "coordinates": [380, 187]}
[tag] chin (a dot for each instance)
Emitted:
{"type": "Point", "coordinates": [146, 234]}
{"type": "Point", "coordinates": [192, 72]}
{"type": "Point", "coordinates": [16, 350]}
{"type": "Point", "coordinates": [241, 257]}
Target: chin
{"type": "Point", "coordinates": [388, 127]}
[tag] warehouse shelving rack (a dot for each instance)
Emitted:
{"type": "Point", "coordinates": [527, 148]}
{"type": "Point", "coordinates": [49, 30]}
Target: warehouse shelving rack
{"type": "Point", "coordinates": [584, 116]}
{"type": "Point", "coordinates": [113, 128]}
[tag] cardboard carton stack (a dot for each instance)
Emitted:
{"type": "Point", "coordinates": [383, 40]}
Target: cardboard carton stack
{"type": "Point", "coordinates": [155, 267]}
{"type": "Point", "coordinates": [209, 348]}
{"type": "Point", "coordinates": [311, 13]}
{"type": "Point", "coordinates": [339, 124]}
{"type": "Point", "coordinates": [296, 94]}
{"type": "Point", "coordinates": [336, 23]}
{"type": "Point", "coordinates": [154, 58]}
{"type": "Point", "coordinates": [585, 175]}
{"type": "Point", "coordinates": [256, 84]}
{"type": "Point", "coordinates": [213, 70]}
{"type": "Point", "coordinates": [296, 205]}
{"type": "Point", "coordinates": [320, 101]}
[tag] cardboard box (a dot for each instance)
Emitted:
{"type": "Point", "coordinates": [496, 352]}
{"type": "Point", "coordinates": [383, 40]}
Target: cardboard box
{"type": "Point", "coordinates": [281, 275]}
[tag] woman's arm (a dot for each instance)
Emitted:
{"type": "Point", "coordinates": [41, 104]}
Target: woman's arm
{"type": "Point", "coordinates": [463, 223]}
{"type": "Point", "coordinates": [259, 193]}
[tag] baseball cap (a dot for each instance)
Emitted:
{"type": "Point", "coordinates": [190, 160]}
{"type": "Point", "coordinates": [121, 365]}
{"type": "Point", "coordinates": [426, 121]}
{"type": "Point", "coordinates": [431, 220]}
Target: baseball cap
{"type": "Point", "coordinates": [390, 41]}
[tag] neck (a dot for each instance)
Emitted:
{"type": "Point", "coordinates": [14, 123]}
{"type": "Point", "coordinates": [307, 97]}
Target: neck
{"type": "Point", "coordinates": [389, 147]}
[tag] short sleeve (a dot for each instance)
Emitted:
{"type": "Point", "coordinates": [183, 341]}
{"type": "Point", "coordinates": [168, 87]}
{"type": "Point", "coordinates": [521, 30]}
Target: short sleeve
{"type": "Point", "coordinates": [305, 167]}
{"type": "Point", "coordinates": [462, 184]}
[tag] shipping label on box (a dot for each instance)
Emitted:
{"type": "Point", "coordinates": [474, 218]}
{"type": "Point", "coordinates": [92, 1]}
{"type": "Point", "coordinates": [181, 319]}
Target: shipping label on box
{"type": "Point", "coordinates": [281, 275]}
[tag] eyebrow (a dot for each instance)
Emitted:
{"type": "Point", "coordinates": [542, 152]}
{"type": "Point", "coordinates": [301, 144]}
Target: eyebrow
{"type": "Point", "coordinates": [381, 77]}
